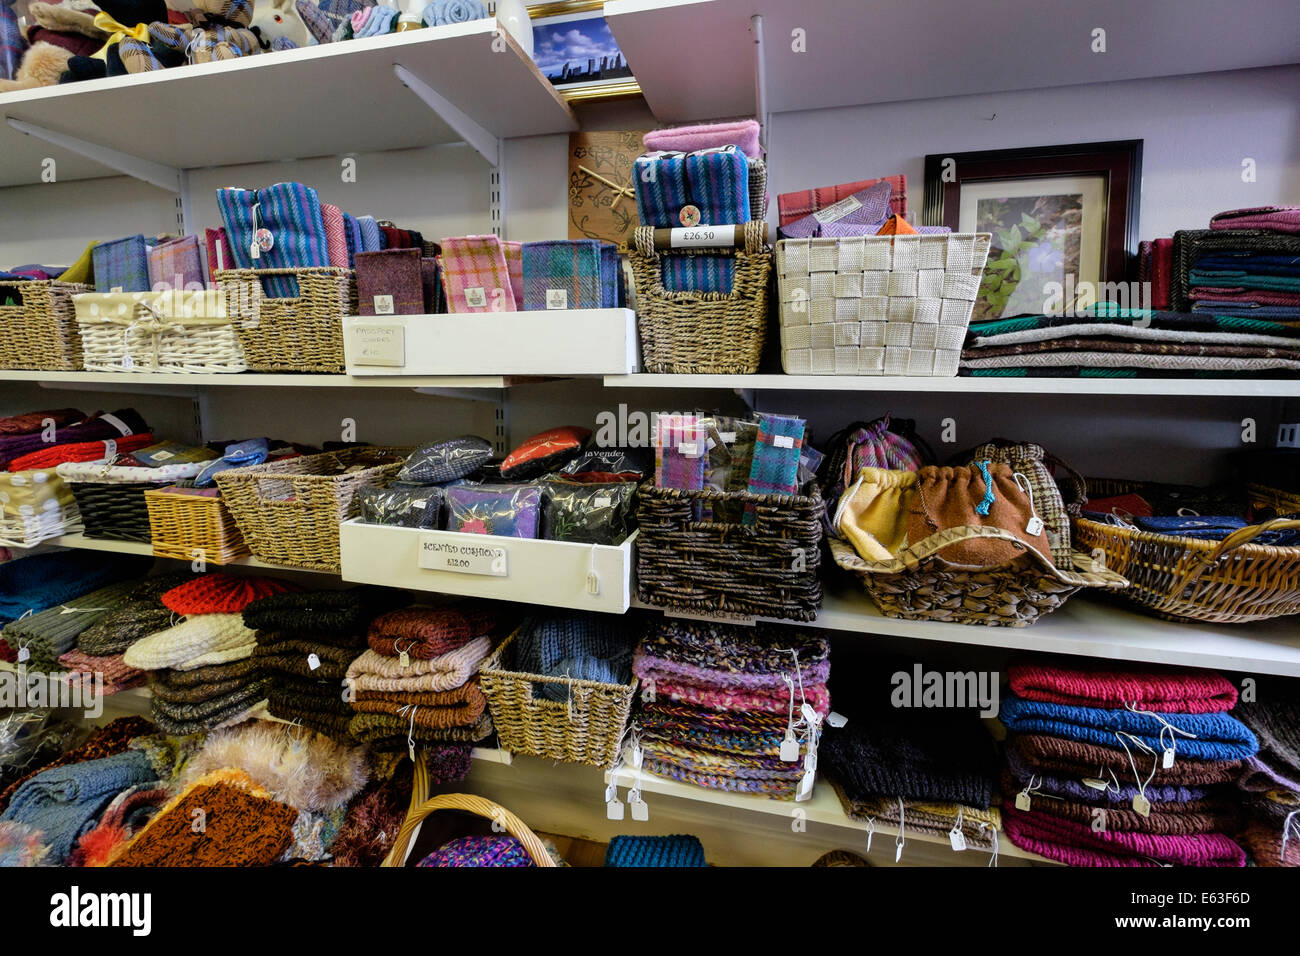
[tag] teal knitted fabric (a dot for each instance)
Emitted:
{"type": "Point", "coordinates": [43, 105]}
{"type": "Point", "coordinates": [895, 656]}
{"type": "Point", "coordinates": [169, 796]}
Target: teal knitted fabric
{"type": "Point", "coordinates": [677, 850]}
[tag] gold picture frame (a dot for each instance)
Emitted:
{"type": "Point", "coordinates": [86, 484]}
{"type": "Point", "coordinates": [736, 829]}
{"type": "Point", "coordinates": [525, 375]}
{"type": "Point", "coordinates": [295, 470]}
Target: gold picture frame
{"type": "Point", "coordinates": [561, 11]}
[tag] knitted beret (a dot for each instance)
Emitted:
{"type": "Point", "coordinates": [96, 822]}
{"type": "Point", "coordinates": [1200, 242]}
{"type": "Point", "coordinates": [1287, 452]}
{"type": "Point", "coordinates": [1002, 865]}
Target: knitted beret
{"type": "Point", "coordinates": [196, 641]}
{"type": "Point", "coordinates": [373, 671]}
{"type": "Point", "coordinates": [1147, 687]}
{"type": "Point", "coordinates": [325, 612]}
{"type": "Point", "coordinates": [427, 632]}
{"type": "Point", "coordinates": [480, 851]}
{"type": "Point", "coordinates": [222, 593]}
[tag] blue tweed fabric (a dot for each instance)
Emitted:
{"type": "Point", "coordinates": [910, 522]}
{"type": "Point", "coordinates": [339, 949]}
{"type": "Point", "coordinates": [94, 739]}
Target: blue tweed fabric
{"type": "Point", "coordinates": [372, 237]}
{"type": "Point", "coordinates": [697, 273]}
{"type": "Point", "coordinates": [352, 232]}
{"type": "Point", "coordinates": [291, 211]}
{"type": "Point", "coordinates": [660, 184]}
{"type": "Point", "coordinates": [715, 181]}
{"type": "Point", "coordinates": [676, 850]}
{"type": "Point", "coordinates": [580, 267]}
{"type": "Point", "coordinates": [1218, 736]}
{"type": "Point", "coordinates": [63, 802]}
{"type": "Point", "coordinates": [122, 264]}
{"type": "Point", "coordinates": [581, 645]}
{"type": "Point", "coordinates": [44, 580]}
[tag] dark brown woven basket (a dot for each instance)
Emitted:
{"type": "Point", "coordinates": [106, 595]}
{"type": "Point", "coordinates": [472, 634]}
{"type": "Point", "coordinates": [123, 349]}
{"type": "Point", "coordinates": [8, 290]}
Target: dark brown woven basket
{"type": "Point", "coordinates": [117, 511]}
{"type": "Point", "coordinates": [1190, 244]}
{"type": "Point", "coordinates": [766, 569]}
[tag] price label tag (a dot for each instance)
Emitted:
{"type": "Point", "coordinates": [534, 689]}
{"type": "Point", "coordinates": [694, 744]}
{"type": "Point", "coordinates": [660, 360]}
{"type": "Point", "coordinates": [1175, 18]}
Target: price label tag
{"type": "Point", "coordinates": [601, 502]}
{"type": "Point", "coordinates": [690, 449]}
{"type": "Point", "coordinates": [381, 345]}
{"type": "Point", "coordinates": [24, 655]}
{"type": "Point", "coordinates": [836, 719]}
{"type": "Point", "coordinates": [383, 305]}
{"type": "Point", "coordinates": [313, 662]}
{"type": "Point", "coordinates": [783, 441]}
{"type": "Point", "coordinates": [128, 363]}
{"type": "Point", "coordinates": [476, 298]}
{"type": "Point", "coordinates": [557, 298]}
{"type": "Point", "coordinates": [1094, 783]}
{"type": "Point", "coordinates": [789, 748]}
{"type": "Point", "coordinates": [1035, 526]}
{"type": "Point", "coordinates": [640, 809]}
{"type": "Point", "coordinates": [702, 237]}
{"type": "Point", "coordinates": [837, 211]}
{"type": "Point", "coordinates": [1022, 802]}
{"type": "Point", "coordinates": [1167, 760]}
{"type": "Point", "coordinates": [1141, 805]}
{"type": "Point", "coordinates": [404, 659]}
{"type": "Point", "coordinates": [440, 554]}
{"type": "Point", "coordinates": [957, 839]}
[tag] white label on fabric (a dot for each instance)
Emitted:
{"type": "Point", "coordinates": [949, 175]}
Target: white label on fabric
{"type": "Point", "coordinates": [613, 807]}
{"type": "Point", "coordinates": [128, 363]}
{"type": "Point", "coordinates": [690, 449]}
{"type": "Point", "coordinates": [789, 748]}
{"type": "Point", "coordinates": [110, 448]}
{"type": "Point", "coordinates": [440, 555]}
{"type": "Point", "coordinates": [476, 298]}
{"type": "Point", "coordinates": [728, 438]}
{"type": "Point", "coordinates": [254, 250]}
{"type": "Point", "coordinates": [702, 237]}
{"type": "Point", "coordinates": [23, 655]}
{"type": "Point", "coordinates": [1167, 760]}
{"type": "Point", "coordinates": [383, 345]}
{"type": "Point", "coordinates": [957, 839]}
{"type": "Point", "coordinates": [837, 211]}
{"type": "Point", "coordinates": [806, 782]}
{"type": "Point", "coordinates": [810, 761]}
{"type": "Point", "coordinates": [1094, 783]}
{"type": "Point", "coordinates": [116, 288]}
{"type": "Point", "coordinates": [313, 662]}
{"type": "Point", "coordinates": [836, 719]}
{"type": "Point", "coordinates": [404, 659]}
{"type": "Point", "coordinates": [557, 298]}
{"type": "Point", "coordinates": [117, 423]}
{"type": "Point", "coordinates": [1142, 805]}
{"type": "Point", "coordinates": [163, 455]}
{"type": "Point", "coordinates": [1035, 526]}
{"type": "Point", "coordinates": [1022, 802]}
{"type": "Point", "coordinates": [383, 305]}
{"type": "Point", "coordinates": [601, 502]}
{"type": "Point", "coordinates": [809, 714]}
{"type": "Point", "coordinates": [783, 441]}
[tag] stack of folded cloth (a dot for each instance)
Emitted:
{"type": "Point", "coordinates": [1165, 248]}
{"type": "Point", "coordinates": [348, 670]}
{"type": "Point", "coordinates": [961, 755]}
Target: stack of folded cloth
{"type": "Point", "coordinates": [1270, 781]}
{"type": "Point", "coordinates": [1070, 724]}
{"type": "Point", "coordinates": [720, 706]}
{"type": "Point", "coordinates": [912, 770]}
{"type": "Point", "coordinates": [201, 671]}
{"type": "Point", "coordinates": [322, 628]}
{"type": "Point", "coordinates": [418, 681]}
{"type": "Point", "coordinates": [1246, 264]}
{"type": "Point", "coordinates": [1107, 341]}
{"type": "Point", "coordinates": [52, 632]}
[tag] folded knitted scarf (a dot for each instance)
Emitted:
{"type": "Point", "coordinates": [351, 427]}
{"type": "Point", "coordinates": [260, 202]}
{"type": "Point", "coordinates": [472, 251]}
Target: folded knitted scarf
{"type": "Point", "coordinates": [373, 671]}
{"type": "Point", "coordinates": [111, 671]}
{"type": "Point", "coordinates": [322, 613]}
{"type": "Point", "coordinates": [735, 656]}
{"type": "Point", "coordinates": [311, 693]}
{"type": "Point", "coordinates": [1274, 717]}
{"type": "Point", "coordinates": [196, 641]}
{"type": "Point", "coordinates": [1196, 816]}
{"type": "Point", "coordinates": [455, 708]}
{"type": "Point", "coordinates": [722, 731]}
{"type": "Point", "coordinates": [427, 632]}
{"type": "Point", "coordinates": [209, 674]}
{"type": "Point", "coordinates": [292, 657]}
{"type": "Point", "coordinates": [222, 593]}
{"type": "Point", "coordinates": [234, 713]}
{"type": "Point", "coordinates": [1272, 218]}
{"type": "Point", "coordinates": [193, 693]}
{"type": "Point", "coordinates": [63, 802]}
{"type": "Point", "coordinates": [581, 646]}
{"type": "Point", "coordinates": [651, 668]}
{"type": "Point", "coordinates": [773, 777]}
{"type": "Point", "coordinates": [44, 580]}
{"type": "Point", "coordinates": [243, 826]}
{"type": "Point", "coordinates": [113, 738]}
{"type": "Point", "coordinates": [1146, 687]}
{"type": "Point", "coordinates": [1077, 845]}
{"type": "Point", "coordinates": [372, 727]}
{"type": "Point", "coordinates": [124, 421]}
{"type": "Point", "coordinates": [1077, 758]}
{"type": "Point", "coordinates": [1161, 796]}
{"type": "Point", "coordinates": [117, 630]}
{"type": "Point", "coordinates": [918, 816]}
{"type": "Point", "coordinates": [1218, 736]}
{"type": "Point", "coordinates": [53, 632]}
{"type": "Point", "coordinates": [766, 701]}
{"type": "Point", "coordinates": [742, 134]}
{"type": "Point", "coordinates": [220, 705]}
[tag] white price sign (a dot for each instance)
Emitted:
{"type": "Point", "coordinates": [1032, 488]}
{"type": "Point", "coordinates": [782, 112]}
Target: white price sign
{"type": "Point", "coordinates": [702, 237]}
{"type": "Point", "coordinates": [379, 345]}
{"type": "Point", "coordinates": [439, 554]}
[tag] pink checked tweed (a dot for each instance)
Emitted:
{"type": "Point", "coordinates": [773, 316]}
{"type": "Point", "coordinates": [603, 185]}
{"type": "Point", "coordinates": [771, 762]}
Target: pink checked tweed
{"type": "Point", "coordinates": [515, 265]}
{"type": "Point", "coordinates": [472, 263]}
{"type": "Point", "coordinates": [336, 237]}
{"type": "Point", "coordinates": [176, 264]}
{"type": "Point", "coordinates": [792, 206]}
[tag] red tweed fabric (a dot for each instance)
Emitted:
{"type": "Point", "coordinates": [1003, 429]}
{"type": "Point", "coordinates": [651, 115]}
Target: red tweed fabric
{"type": "Point", "coordinates": [79, 451]}
{"type": "Point", "coordinates": [1145, 686]}
{"type": "Point", "coordinates": [221, 593]}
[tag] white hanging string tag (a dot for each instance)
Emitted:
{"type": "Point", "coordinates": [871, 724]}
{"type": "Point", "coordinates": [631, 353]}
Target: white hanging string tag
{"type": "Point", "coordinates": [24, 652]}
{"type": "Point", "coordinates": [993, 860]}
{"type": "Point", "coordinates": [1292, 820]}
{"type": "Point", "coordinates": [593, 579]}
{"type": "Point", "coordinates": [1141, 805]}
{"type": "Point", "coordinates": [1168, 737]}
{"type": "Point", "coordinates": [871, 831]}
{"type": "Point", "coordinates": [403, 657]}
{"type": "Point", "coordinates": [313, 661]}
{"type": "Point", "coordinates": [1023, 802]}
{"type": "Point", "coordinates": [789, 745]}
{"type": "Point", "coordinates": [836, 720]}
{"type": "Point", "coordinates": [640, 809]}
{"type": "Point", "coordinates": [898, 844]}
{"type": "Point", "coordinates": [614, 809]}
{"type": "Point", "coordinates": [955, 835]}
{"type": "Point", "coordinates": [410, 733]}
{"type": "Point", "coordinates": [1035, 524]}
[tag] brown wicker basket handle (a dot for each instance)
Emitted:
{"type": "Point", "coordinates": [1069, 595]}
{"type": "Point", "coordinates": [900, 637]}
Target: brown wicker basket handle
{"type": "Point", "coordinates": [472, 804]}
{"type": "Point", "coordinates": [1246, 535]}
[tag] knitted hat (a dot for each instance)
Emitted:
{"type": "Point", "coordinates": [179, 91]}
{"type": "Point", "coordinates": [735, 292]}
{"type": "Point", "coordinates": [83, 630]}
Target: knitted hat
{"type": "Point", "coordinates": [841, 858]}
{"type": "Point", "coordinates": [372, 727]}
{"type": "Point", "coordinates": [293, 657]}
{"type": "Point", "coordinates": [222, 593]}
{"type": "Point", "coordinates": [723, 731]}
{"type": "Point", "coordinates": [192, 693]}
{"type": "Point", "coordinates": [373, 671]}
{"type": "Point", "coordinates": [1163, 796]}
{"type": "Point", "coordinates": [770, 780]}
{"type": "Point", "coordinates": [461, 707]}
{"type": "Point", "coordinates": [1080, 759]}
{"type": "Point", "coordinates": [1077, 845]}
{"type": "Point", "coordinates": [581, 646]}
{"type": "Point", "coordinates": [739, 653]}
{"type": "Point", "coordinates": [480, 851]}
{"type": "Point", "coordinates": [208, 674]}
{"type": "Point", "coordinates": [345, 613]}
{"type": "Point", "coordinates": [678, 850]}
{"type": "Point", "coordinates": [196, 641]}
{"type": "Point", "coordinates": [765, 701]}
{"type": "Point", "coordinates": [1061, 680]}
{"type": "Point", "coordinates": [427, 632]}
{"type": "Point", "coordinates": [194, 711]}
{"type": "Point", "coordinates": [309, 693]}
{"type": "Point", "coordinates": [232, 714]}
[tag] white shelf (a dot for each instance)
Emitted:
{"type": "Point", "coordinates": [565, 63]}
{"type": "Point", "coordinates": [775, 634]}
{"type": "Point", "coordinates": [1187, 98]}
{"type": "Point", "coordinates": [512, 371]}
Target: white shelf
{"type": "Point", "coordinates": [143, 381]}
{"type": "Point", "coordinates": [991, 385]}
{"type": "Point", "coordinates": [326, 100]}
{"type": "Point", "coordinates": [879, 53]}
{"type": "Point", "coordinates": [79, 540]}
{"type": "Point", "coordinates": [560, 342]}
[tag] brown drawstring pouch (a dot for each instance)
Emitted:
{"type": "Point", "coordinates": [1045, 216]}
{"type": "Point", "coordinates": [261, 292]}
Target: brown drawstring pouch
{"type": "Point", "coordinates": [947, 498]}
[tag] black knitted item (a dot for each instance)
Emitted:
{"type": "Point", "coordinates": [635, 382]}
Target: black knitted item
{"type": "Point", "coordinates": [323, 612]}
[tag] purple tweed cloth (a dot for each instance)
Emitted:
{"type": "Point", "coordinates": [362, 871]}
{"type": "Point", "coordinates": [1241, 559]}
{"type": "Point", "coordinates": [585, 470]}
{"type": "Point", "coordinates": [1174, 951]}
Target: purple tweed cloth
{"type": "Point", "coordinates": [870, 205]}
{"type": "Point", "coordinates": [698, 273]}
{"type": "Point", "coordinates": [392, 274]}
{"type": "Point", "coordinates": [680, 452]}
{"type": "Point", "coordinates": [122, 264]}
{"type": "Point", "coordinates": [1272, 218]}
{"type": "Point", "coordinates": [176, 264]}
{"type": "Point", "coordinates": [1076, 790]}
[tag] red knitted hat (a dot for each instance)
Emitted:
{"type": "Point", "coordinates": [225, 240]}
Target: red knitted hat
{"type": "Point", "coordinates": [221, 593]}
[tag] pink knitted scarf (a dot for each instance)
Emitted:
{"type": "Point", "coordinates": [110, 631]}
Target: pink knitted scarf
{"type": "Point", "coordinates": [1076, 844]}
{"type": "Point", "coordinates": [648, 666]}
{"type": "Point", "coordinates": [764, 700]}
{"type": "Point", "coordinates": [1154, 688]}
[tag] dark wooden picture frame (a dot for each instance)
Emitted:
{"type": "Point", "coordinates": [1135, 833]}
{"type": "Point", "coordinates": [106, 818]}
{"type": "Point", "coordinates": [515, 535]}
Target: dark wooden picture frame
{"type": "Point", "coordinates": [1120, 161]}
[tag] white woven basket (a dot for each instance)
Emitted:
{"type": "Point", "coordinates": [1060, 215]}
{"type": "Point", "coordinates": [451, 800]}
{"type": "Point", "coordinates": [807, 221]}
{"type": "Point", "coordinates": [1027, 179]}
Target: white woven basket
{"type": "Point", "coordinates": [35, 505]}
{"type": "Point", "coordinates": [877, 305]}
{"type": "Point", "coordinates": [174, 331]}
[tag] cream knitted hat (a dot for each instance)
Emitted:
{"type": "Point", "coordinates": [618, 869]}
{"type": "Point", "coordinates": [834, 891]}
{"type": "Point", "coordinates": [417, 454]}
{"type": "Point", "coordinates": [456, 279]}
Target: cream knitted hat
{"type": "Point", "coordinates": [373, 671]}
{"type": "Point", "coordinates": [195, 642]}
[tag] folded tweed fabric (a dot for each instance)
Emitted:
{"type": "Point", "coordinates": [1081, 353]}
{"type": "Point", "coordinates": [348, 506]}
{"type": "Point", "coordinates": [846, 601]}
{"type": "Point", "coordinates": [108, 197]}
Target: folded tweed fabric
{"type": "Point", "coordinates": [63, 802]}
{"type": "Point", "coordinates": [221, 593]}
{"type": "Point", "coordinates": [1272, 218]}
{"type": "Point", "coordinates": [1218, 736]}
{"type": "Point", "coordinates": [693, 272]}
{"type": "Point", "coordinates": [196, 641]}
{"type": "Point", "coordinates": [463, 713]}
{"type": "Point", "coordinates": [795, 205]}
{"type": "Point", "coordinates": [1062, 756]}
{"type": "Point", "coordinates": [1077, 845]}
{"type": "Point", "coordinates": [176, 264]}
{"type": "Point", "coordinates": [564, 274]}
{"type": "Point", "coordinates": [680, 452]}
{"type": "Point", "coordinates": [389, 283]}
{"type": "Point", "coordinates": [742, 134]}
{"type": "Point", "coordinates": [292, 657]}
{"type": "Point", "coordinates": [113, 673]}
{"type": "Point", "coordinates": [122, 265]}
{"type": "Point", "coordinates": [1059, 680]}
{"type": "Point", "coordinates": [377, 672]}
{"type": "Point", "coordinates": [209, 674]}
{"type": "Point", "coordinates": [865, 209]}
{"type": "Point", "coordinates": [936, 819]}
{"type": "Point", "coordinates": [475, 275]}
{"type": "Point", "coordinates": [371, 727]}
{"type": "Point", "coordinates": [243, 826]}
{"type": "Point", "coordinates": [322, 613]}
{"type": "Point", "coordinates": [776, 455]}
{"type": "Point", "coordinates": [429, 632]}
{"type": "Point", "coordinates": [1144, 324]}
{"type": "Point", "coordinates": [193, 693]}
{"type": "Point", "coordinates": [54, 631]}
{"type": "Point", "coordinates": [292, 212]}
{"type": "Point", "coordinates": [1274, 717]}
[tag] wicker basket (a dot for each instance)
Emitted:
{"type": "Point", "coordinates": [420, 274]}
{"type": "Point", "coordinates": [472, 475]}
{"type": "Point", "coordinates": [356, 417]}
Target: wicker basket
{"type": "Point", "coordinates": [1274, 499]}
{"type": "Point", "coordinates": [289, 511]}
{"type": "Point", "coordinates": [703, 332]}
{"type": "Point", "coordinates": [470, 803]}
{"type": "Point", "coordinates": [1185, 579]}
{"type": "Point", "coordinates": [585, 728]}
{"type": "Point", "coordinates": [192, 527]}
{"type": "Point", "coordinates": [167, 332]}
{"type": "Point", "coordinates": [919, 585]}
{"type": "Point", "coordinates": [111, 497]}
{"type": "Point", "coordinates": [766, 569]}
{"type": "Point", "coordinates": [42, 332]}
{"type": "Point", "coordinates": [299, 334]}
{"type": "Point", "coordinates": [877, 305]}
{"type": "Point", "coordinates": [35, 505]}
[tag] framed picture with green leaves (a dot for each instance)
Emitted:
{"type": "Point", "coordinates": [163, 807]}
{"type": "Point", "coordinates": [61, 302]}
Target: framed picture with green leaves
{"type": "Point", "coordinates": [1062, 218]}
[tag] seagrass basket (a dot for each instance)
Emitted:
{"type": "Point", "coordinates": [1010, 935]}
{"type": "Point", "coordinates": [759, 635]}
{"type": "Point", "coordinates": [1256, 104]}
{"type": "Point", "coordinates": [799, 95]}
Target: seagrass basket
{"type": "Point", "coordinates": [289, 511]}
{"type": "Point", "coordinates": [585, 727]}
{"type": "Point", "coordinates": [303, 333]}
{"type": "Point", "coordinates": [41, 333]}
{"type": "Point", "coordinates": [768, 568]}
{"type": "Point", "coordinates": [192, 527]}
{"type": "Point", "coordinates": [702, 332]}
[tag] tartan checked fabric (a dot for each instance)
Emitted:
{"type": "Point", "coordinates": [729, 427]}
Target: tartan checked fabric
{"type": "Point", "coordinates": [514, 252]}
{"type": "Point", "coordinates": [292, 212]}
{"type": "Point", "coordinates": [716, 181]}
{"type": "Point", "coordinates": [218, 245]}
{"type": "Point", "coordinates": [680, 452]}
{"type": "Point", "coordinates": [776, 456]}
{"type": "Point", "coordinates": [573, 266]}
{"type": "Point", "coordinates": [336, 238]}
{"type": "Point", "coordinates": [796, 205]}
{"type": "Point", "coordinates": [138, 56]}
{"type": "Point", "coordinates": [122, 264]}
{"type": "Point", "coordinates": [372, 240]}
{"type": "Point", "coordinates": [176, 264]}
{"type": "Point", "coordinates": [475, 276]}
{"type": "Point", "coordinates": [696, 273]}
{"type": "Point", "coordinates": [352, 230]}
